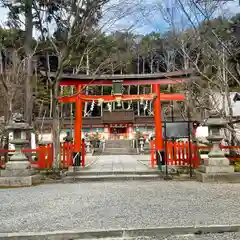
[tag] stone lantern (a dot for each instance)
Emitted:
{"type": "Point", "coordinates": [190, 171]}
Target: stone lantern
{"type": "Point", "coordinates": [18, 170]}
{"type": "Point", "coordinates": [216, 167]}
{"type": "Point", "coordinates": [88, 144]}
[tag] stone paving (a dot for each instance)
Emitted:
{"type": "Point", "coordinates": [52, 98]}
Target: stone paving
{"type": "Point", "coordinates": [89, 160]}
{"type": "Point", "coordinates": [118, 163]}
{"type": "Point", "coordinates": [114, 205]}
{"type": "Point", "coordinates": [144, 159]}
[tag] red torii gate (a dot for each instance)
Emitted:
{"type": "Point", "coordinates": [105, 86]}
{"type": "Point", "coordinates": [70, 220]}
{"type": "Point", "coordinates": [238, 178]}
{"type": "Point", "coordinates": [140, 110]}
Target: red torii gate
{"type": "Point", "coordinates": [155, 80]}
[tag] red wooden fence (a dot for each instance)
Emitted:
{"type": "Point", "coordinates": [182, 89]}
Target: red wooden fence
{"type": "Point", "coordinates": [43, 158]}
{"type": "Point", "coordinates": [182, 154]}
{"type": "Point", "coordinates": [177, 153]}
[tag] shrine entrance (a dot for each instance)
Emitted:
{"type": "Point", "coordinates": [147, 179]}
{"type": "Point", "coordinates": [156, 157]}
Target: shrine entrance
{"type": "Point", "coordinates": [118, 131]}
{"type": "Point", "coordinates": [117, 82]}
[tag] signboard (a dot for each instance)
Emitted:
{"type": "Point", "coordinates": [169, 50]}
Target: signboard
{"type": "Point", "coordinates": [177, 130]}
{"type": "Point", "coordinates": [117, 87]}
{"type": "Point", "coordinates": [118, 125]}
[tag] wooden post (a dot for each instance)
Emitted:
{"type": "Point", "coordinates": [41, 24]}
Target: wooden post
{"type": "Point", "coordinates": [78, 129]}
{"type": "Point", "coordinates": [158, 126]}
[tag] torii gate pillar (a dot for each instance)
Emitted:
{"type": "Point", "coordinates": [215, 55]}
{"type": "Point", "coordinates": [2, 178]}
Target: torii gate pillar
{"type": "Point", "coordinates": [159, 144]}
{"type": "Point", "coordinates": [78, 129]}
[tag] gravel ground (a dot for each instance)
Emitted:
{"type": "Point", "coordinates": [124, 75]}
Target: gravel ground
{"type": "Point", "coordinates": [225, 236]}
{"type": "Point", "coordinates": [104, 205]}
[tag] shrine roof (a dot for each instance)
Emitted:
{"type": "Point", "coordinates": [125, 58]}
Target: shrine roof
{"type": "Point", "coordinates": [131, 79]}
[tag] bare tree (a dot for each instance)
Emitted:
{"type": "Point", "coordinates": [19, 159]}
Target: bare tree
{"type": "Point", "coordinates": [76, 22]}
{"type": "Point", "coordinates": [12, 81]}
{"type": "Point", "coordinates": [212, 50]}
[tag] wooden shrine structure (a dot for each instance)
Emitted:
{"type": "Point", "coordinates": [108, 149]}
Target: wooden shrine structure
{"type": "Point", "coordinates": [117, 81]}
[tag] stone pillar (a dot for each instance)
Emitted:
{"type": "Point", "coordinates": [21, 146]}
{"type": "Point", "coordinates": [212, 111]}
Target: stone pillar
{"type": "Point", "coordinates": [106, 132]}
{"type": "Point", "coordinates": [88, 144]}
{"type": "Point", "coordinates": [18, 170]}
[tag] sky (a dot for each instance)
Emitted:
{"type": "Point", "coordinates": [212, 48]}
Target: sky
{"type": "Point", "coordinates": [151, 15]}
{"type": "Point", "coordinates": [142, 16]}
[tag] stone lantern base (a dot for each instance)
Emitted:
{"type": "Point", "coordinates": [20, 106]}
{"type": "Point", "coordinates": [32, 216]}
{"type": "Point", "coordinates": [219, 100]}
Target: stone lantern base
{"type": "Point", "coordinates": [233, 177]}
{"type": "Point", "coordinates": [20, 181]}
{"type": "Point", "coordinates": [18, 173]}
{"type": "Point", "coordinates": [216, 168]}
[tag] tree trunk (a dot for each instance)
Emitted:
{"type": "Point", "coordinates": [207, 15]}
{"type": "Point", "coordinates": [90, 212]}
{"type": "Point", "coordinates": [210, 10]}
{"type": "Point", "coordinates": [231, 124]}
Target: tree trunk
{"type": "Point", "coordinates": [138, 103]}
{"type": "Point", "coordinates": [28, 51]}
{"type": "Point", "coordinates": [86, 90]}
{"type": "Point", "coordinates": [62, 91]}
{"type": "Point", "coordinates": [143, 65]}
{"type": "Point", "coordinates": [102, 90]}
{"type": "Point", "coordinates": [150, 104]}
{"type": "Point", "coordinates": [51, 92]}
{"type": "Point", "coordinates": [151, 63]}
{"type": "Point", "coordinates": [138, 71]}
{"type": "Point", "coordinates": [233, 138]}
{"type": "Point", "coordinates": [8, 110]}
{"type": "Point", "coordinates": [55, 126]}
{"type": "Point", "coordinates": [71, 113]}
{"type": "Point", "coordinates": [51, 103]}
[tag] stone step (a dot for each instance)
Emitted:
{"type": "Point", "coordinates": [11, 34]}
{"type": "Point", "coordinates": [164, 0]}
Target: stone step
{"type": "Point", "coordinates": [111, 177]}
{"type": "Point", "coordinates": [117, 144]}
{"type": "Point", "coordinates": [116, 149]}
{"type": "Point", "coordinates": [114, 154]}
{"type": "Point", "coordinates": [119, 151]}
{"type": "Point", "coordinates": [97, 173]}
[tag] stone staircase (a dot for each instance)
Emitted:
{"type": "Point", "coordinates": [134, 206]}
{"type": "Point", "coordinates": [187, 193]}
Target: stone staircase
{"type": "Point", "coordinates": [118, 147]}
{"type": "Point", "coordinates": [117, 144]}
{"type": "Point", "coordinates": [89, 176]}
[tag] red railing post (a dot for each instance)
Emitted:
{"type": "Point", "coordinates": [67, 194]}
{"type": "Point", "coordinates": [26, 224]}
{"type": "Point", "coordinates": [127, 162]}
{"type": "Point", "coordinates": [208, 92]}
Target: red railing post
{"type": "Point", "coordinates": [71, 154]}
{"type": "Point", "coordinates": [170, 153]}
{"type": "Point", "coordinates": [63, 154]}
{"type": "Point", "coordinates": [50, 155]}
{"type": "Point", "coordinates": [41, 157]}
{"type": "Point", "coordinates": [186, 154]}
{"type": "Point", "coordinates": [66, 154]}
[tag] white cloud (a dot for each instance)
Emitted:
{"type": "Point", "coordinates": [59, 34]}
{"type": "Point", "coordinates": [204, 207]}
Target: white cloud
{"type": "Point", "coordinates": [233, 6]}
{"type": "Point", "coordinates": [141, 16]}
{"type": "Point", "coordinates": [3, 15]}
